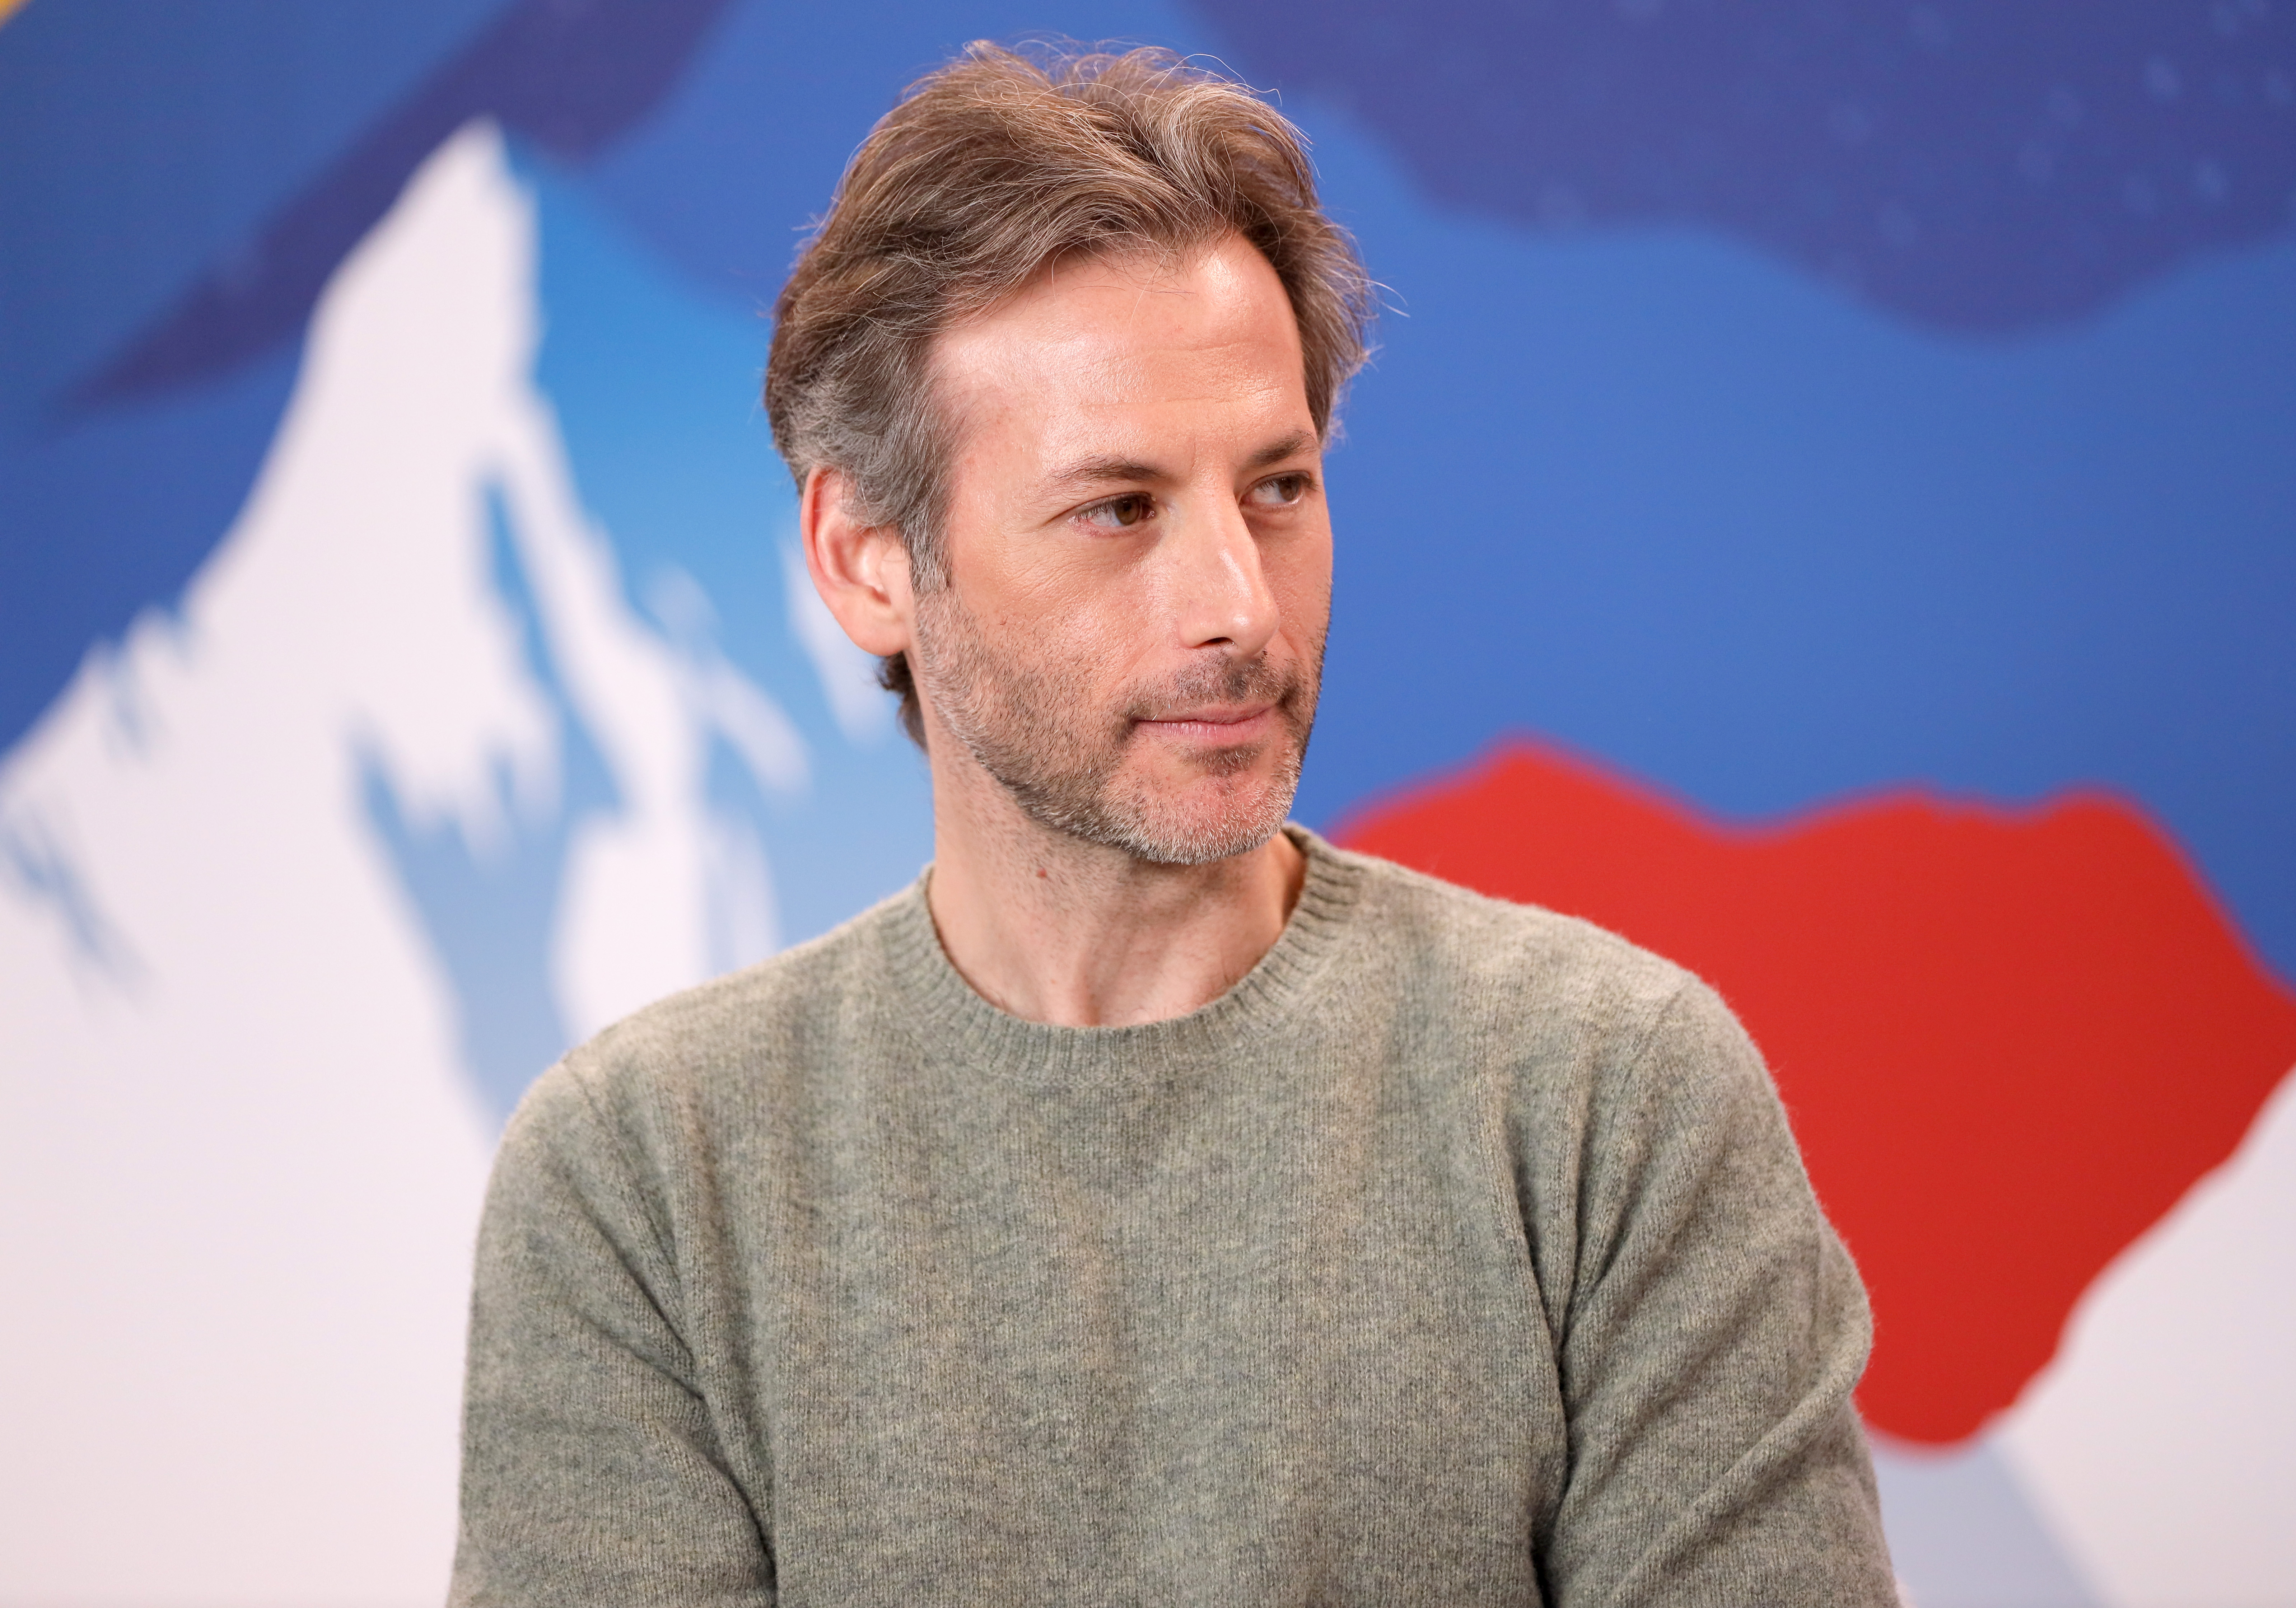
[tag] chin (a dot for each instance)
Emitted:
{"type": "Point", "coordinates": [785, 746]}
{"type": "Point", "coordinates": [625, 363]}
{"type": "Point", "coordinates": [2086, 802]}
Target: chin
{"type": "Point", "coordinates": [1211, 819]}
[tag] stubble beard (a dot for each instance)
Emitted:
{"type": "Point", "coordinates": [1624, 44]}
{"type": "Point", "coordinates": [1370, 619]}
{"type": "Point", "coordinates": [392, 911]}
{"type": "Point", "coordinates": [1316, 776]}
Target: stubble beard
{"type": "Point", "coordinates": [1037, 732]}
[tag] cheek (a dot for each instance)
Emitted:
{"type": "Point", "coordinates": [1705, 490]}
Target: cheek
{"type": "Point", "coordinates": [1098, 617]}
{"type": "Point", "coordinates": [1104, 637]}
{"type": "Point", "coordinates": [1082, 637]}
{"type": "Point", "coordinates": [1300, 579]}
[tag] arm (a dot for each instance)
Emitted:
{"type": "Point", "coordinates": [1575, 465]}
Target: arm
{"type": "Point", "coordinates": [591, 1470]}
{"type": "Point", "coordinates": [1714, 1331]}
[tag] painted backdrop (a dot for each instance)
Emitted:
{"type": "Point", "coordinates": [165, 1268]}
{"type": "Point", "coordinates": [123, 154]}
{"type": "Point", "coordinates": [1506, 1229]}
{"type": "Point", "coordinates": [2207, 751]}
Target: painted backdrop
{"type": "Point", "coordinates": [1824, 504]}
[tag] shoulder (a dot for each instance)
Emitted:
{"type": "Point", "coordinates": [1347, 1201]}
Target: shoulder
{"type": "Point", "coordinates": [1496, 956]}
{"type": "Point", "coordinates": [1580, 1031]}
{"type": "Point", "coordinates": [1626, 1084]}
{"type": "Point", "coordinates": [654, 1081]}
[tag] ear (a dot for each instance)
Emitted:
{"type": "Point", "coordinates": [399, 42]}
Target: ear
{"type": "Point", "coordinates": [862, 571]}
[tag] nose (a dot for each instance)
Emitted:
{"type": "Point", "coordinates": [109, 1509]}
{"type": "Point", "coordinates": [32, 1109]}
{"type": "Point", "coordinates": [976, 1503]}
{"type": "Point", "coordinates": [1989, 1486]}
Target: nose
{"type": "Point", "coordinates": [1219, 586]}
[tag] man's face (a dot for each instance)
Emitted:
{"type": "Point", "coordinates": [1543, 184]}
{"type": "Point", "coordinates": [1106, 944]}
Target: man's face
{"type": "Point", "coordinates": [1139, 554]}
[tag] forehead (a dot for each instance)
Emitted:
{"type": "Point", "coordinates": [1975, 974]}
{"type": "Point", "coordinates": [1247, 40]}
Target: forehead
{"type": "Point", "coordinates": [1089, 344]}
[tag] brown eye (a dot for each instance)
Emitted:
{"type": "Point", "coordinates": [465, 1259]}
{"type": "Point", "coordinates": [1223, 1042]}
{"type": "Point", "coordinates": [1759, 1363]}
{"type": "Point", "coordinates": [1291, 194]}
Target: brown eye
{"type": "Point", "coordinates": [1121, 512]}
{"type": "Point", "coordinates": [1281, 491]}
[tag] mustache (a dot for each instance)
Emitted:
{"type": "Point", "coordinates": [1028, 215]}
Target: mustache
{"type": "Point", "coordinates": [1251, 680]}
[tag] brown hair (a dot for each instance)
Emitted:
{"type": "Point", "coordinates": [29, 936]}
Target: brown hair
{"type": "Point", "coordinates": [990, 167]}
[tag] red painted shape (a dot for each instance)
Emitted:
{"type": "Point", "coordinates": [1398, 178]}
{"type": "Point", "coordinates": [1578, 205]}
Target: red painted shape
{"type": "Point", "coordinates": [2009, 1040]}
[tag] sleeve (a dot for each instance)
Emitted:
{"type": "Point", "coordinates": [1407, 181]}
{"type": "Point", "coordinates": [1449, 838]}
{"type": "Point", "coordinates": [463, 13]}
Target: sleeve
{"type": "Point", "coordinates": [1715, 1332]}
{"type": "Point", "coordinates": [591, 1473]}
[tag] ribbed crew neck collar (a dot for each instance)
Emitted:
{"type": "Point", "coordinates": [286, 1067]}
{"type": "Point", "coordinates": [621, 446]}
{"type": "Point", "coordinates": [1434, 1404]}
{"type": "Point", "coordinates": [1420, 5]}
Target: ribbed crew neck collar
{"type": "Point", "coordinates": [949, 1019]}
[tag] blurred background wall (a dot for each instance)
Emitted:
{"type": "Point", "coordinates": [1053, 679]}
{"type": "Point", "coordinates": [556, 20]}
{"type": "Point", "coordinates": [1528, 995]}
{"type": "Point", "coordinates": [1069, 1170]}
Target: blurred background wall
{"type": "Point", "coordinates": [1824, 504]}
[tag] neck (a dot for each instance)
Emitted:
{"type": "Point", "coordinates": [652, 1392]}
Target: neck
{"type": "Point", "coordinates": [1050, 928]}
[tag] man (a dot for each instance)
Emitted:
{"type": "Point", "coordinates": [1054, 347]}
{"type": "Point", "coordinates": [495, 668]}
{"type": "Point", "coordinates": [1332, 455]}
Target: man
{"type": "Point", "coordinates": [1153, 1204]}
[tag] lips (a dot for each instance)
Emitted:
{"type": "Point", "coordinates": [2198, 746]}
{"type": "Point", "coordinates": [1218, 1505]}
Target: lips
{"type": "Point", "coordinates": [1218, 723]}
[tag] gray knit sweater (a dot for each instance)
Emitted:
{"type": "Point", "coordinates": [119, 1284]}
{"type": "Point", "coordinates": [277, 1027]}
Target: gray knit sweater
{"type": "Point", "coordinates": [1459, 1254]}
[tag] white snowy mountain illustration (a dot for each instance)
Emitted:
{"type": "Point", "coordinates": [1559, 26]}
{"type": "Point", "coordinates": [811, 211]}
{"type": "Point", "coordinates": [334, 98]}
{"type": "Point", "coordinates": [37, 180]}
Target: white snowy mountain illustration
{"type": "Point", "coordinates": [249, 1067]}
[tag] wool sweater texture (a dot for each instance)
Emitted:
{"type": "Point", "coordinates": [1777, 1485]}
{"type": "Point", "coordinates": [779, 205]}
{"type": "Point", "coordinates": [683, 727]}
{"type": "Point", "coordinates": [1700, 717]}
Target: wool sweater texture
{"type": "Point", "coordinates": [1459, 1254]}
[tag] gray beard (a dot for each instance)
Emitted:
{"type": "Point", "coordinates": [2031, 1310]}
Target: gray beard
{"type": "Point", "coordinates": [1037, 734]}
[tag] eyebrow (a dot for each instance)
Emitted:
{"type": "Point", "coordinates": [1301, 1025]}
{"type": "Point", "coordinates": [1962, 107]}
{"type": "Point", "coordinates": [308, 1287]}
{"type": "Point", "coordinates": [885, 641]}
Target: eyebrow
{"type": "Point", "coordinates": [1087, 472]}
{"type": "Point", "coordinates": [1286, 447]}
